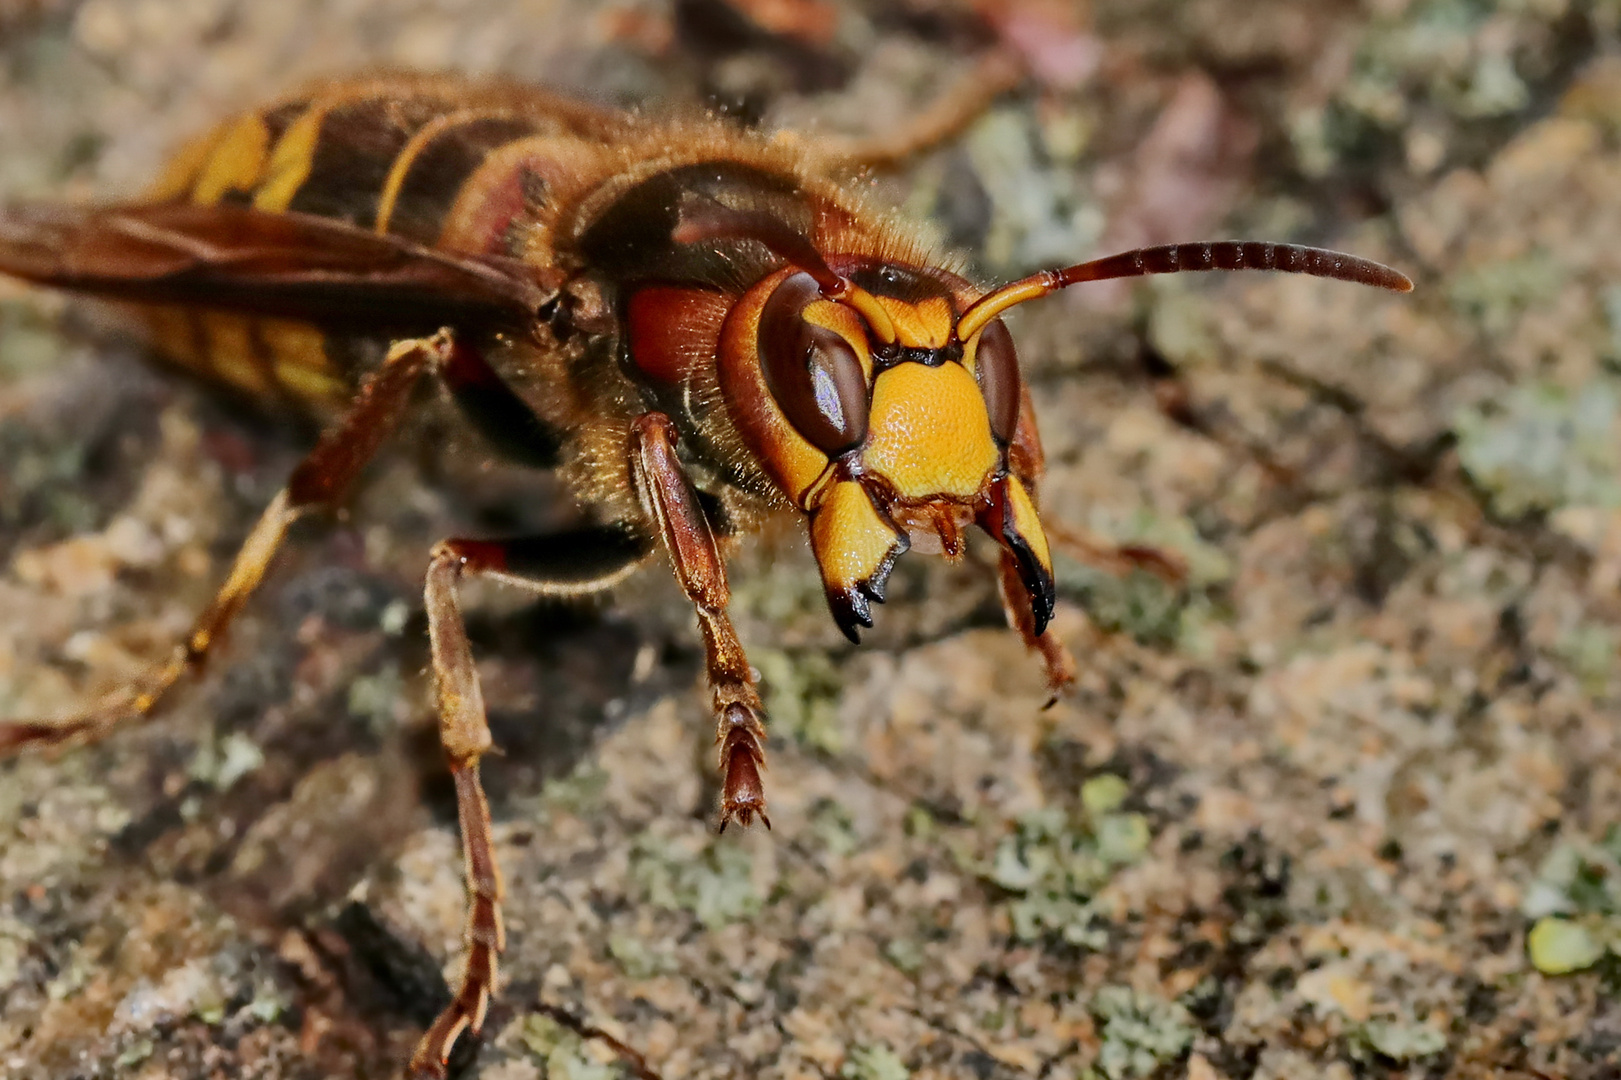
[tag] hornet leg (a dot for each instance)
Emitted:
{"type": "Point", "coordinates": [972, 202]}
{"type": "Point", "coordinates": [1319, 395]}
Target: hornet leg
{"type": "Point", "coordinates": [688, 538]}
{"type": "Point", "coordinates": [568, 565]}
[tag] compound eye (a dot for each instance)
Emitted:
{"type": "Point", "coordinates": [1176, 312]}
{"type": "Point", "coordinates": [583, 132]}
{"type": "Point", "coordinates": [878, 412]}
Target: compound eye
{"type": "Point", "coordinates": [811, 371]}
{"type": "Point", "coordinates": [996, 368]}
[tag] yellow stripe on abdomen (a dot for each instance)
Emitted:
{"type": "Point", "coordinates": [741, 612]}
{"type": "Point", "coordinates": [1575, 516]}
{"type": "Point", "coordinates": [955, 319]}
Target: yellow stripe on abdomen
{"type": "Point", "coordinates": [227, 164]}
{"type": "Point", "coordinates": [301, 362]}
{"type": "Point", "coordinates": [236, 163]}
{"type": "Point", "coordinates": [289, 164]}
{"type": "Point", "coordinates": [269, 360]}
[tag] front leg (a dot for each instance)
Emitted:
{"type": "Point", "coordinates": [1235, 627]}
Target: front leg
{"type": "Point", "coordinates": [671, 501]}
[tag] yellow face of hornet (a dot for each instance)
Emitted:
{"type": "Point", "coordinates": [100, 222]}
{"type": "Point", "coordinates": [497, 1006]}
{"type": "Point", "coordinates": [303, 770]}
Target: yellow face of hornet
{"type": "Point", "coordinates": [884, 427]}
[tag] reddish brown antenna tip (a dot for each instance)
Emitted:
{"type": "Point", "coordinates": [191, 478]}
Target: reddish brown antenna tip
{"type": "Point", "coordinates": [1177, 258]}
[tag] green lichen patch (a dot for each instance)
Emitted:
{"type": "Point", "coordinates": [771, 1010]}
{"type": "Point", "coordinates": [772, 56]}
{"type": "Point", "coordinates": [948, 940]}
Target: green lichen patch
{"type": "Point", "coordinates": [1138, 603]}
{"type": "Point", "coordinates": [562, 1054]}
{"type": "Point", "coordinates": [1104, 794]}
{"type": "Point", "coordinates": [44, 478]}
{"type": "Point", "coordinates": [1578, 876]}
{"type": "Point", "coordinates": [1395, 1041]}
{"type": "Point", "coordinates": [1040, 214]}
{"type": "Point", "coordinates": [138, 1051]}
{"type": "Point", "coordinates": [874, 1063]}
{"type": "Point", "coordinates": [580, 792]}
{"type": "Point", "coordinates": [714, 884]}
{"type": "Point", "coordinates": [637, 958]}
{"type": "Point", "coordinates": [1610, 298]}
{"type": "Point", "coordinates": [1055, 866]}
{"type": "Point", "coordinates": [1431, 73]}
{"type": "Point", "coordinates": [221, 763]}
{"type": "Point", "coordinates": [1543, 446]}
{"type": "Point", "coordinates": [1590, 649]}
{"type": "Point", "coordinates": [905, 953]}
{"type": "Point", "coordinates": [1150, 609]}
{"type": "Point", "coordinates": [1576, 904]}
{"type": "Point", "coordinates": [1495, 295]}
{"type": "Point", "coordinates": [1180, 324]}
{"type": "Point", "coordinates": [780, 592]}
{"type": "Point", "coordinates": [1140, 1032]}
{"type": "Point", "coordinates": [16, 940]}
{"type": "Point", "coordinates": [834, 826]}
{"type": "Point", "coordinates": [377, 698]}
{"type": "Point", "coordinates": [802, 696]}
{"type": "Point", "coordinates": [1559, 946]}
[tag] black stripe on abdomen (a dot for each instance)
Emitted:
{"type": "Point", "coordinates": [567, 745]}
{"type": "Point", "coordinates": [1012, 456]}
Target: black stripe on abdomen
{"type": "Point", "coordinates": [433, 177]}
{"type": "Point", "coordinates": [355, 152]}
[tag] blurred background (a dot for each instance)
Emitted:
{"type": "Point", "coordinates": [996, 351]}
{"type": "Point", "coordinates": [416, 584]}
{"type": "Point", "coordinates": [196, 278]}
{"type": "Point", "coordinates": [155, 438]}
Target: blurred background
{"type": "Point", "coordinates": [1343, 806]}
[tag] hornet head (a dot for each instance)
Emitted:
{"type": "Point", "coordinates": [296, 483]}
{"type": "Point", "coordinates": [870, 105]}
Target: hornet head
{"type": "Point", "coordinates": [885, 399]}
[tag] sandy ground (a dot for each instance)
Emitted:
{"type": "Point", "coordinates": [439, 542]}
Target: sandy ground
{"type": "Point", "coordinates": [1342, 807]}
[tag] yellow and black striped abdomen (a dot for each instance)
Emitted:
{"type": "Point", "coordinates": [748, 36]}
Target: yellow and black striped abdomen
{"type": "Point", "coordinates": [386, 154]}
{"type": "Point", "coordinates": [393, 155]}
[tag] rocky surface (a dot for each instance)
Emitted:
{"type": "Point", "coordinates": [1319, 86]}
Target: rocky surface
{"type": "Point", "coordinates": [1342, 807]}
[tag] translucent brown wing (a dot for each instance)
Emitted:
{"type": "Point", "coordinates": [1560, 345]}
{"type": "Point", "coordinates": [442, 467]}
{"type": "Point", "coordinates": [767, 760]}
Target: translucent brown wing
{"type": "Point", "coordinates": [289, 265]}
